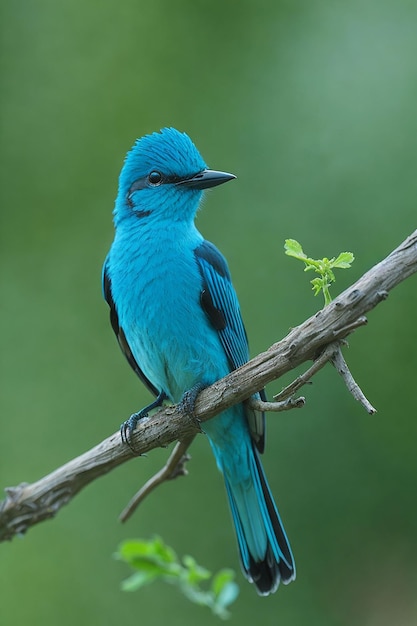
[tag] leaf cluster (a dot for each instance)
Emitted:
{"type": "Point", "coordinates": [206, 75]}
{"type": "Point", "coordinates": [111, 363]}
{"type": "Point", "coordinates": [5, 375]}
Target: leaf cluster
{"type": "Point", "coordinates": [324, 267]}
{"type": "Point", "coordinates": [153, 560]}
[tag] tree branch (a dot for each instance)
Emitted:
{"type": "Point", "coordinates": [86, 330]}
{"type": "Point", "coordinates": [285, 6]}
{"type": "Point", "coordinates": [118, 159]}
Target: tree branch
{"type": "Point", "coordinates": [28, 504]}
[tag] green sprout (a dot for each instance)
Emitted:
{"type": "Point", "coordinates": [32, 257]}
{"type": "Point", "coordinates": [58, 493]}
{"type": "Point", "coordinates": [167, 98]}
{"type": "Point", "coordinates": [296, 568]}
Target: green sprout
{"type": "Point", "coordinates": [153, 560]}
{"type": "Point", "coordinates": [324, 267]}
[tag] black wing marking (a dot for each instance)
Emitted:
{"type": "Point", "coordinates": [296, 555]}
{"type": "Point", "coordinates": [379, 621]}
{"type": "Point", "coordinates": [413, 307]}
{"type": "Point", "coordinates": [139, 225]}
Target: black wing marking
{"type": "Point", "coordinates": [219, 301]}
{"type": "Point", "coordinates": [121, 338]}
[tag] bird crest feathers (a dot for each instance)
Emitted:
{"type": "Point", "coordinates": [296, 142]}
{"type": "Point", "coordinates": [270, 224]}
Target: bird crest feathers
{"type": "Point", "coordinates": [169, 151]}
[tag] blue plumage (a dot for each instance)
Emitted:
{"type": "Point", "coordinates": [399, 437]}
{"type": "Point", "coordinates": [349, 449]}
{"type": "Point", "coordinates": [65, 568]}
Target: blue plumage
{"type": "Point", "coordinates": [177, 319]}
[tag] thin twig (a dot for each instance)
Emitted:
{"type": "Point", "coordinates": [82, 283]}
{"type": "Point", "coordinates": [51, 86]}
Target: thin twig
{"type": "Point", "coordinates": [304, 379]}
{"type": "Point", "coordinates": [276, 407]}
{"type": "Point", "coordinates": [341, 366]}
{"type": "Point", "coordinates": [174, 467]}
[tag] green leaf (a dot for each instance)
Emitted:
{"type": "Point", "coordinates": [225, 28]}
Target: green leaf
{"type": "Point", "coordinates": [194, 572]}
{"type": "Point", "coordinates": [136, 581]}
{"type": "Point", "coordinates": [225, 588]}
{"type": "Point", "coordinates": [330, 276]}
{"type": "Point", "coordinates": [226, 597]}
{"type": "Point", "coordinates": [344, 260]}
{"type": "Point", "coordinates": [222, 578]}
{"type": "Point", "coordinates": [136, 549]}
{"type": "Point", "coordinates": [317, 285]}
{"type": "Point", "coordinates": [293, 248]}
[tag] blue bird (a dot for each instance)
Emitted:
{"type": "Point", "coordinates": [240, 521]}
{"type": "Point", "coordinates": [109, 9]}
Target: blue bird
{"type": "Point", "coordinates": [176, 316]}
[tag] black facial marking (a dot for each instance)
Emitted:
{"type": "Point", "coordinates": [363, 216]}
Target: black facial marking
{"type": "Point", "coordinates": [151, 180]}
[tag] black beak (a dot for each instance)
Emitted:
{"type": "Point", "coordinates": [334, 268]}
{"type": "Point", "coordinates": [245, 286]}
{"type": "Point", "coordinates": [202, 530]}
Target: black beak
{"type": "Point", "coordinates": [206, 179]}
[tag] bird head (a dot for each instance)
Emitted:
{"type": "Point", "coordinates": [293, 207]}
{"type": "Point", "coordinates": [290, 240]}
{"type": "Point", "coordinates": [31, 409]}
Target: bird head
{"type": "Point", "coordinates": [164, 176]}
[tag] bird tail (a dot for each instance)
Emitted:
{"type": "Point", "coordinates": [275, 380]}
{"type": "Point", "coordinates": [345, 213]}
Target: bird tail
{"type": "Point", "coordinates": [265, 552]}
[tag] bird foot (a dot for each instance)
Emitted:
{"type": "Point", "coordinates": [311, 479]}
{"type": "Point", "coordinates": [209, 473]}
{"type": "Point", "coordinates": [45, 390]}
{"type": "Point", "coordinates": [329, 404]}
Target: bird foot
{"type": "Point", "coordinates": [127, 428]}
{"type": "Point", "coordinates": [187, 404]}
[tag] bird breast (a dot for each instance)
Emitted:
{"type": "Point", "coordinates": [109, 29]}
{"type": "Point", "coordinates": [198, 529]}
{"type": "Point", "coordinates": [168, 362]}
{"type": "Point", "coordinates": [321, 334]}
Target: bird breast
{"type": "Point", "coordinates": [156, 286]}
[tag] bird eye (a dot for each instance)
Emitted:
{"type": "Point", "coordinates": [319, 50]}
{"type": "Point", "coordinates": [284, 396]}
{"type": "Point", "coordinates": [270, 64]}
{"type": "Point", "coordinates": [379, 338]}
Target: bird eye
{"type": "Point", "coordinates": [155, 178]}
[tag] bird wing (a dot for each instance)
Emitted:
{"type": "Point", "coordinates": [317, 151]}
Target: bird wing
{"type": "Point", "coordinates": [118, 330]}
{"type": "Point", "coordinates": [219, 302]}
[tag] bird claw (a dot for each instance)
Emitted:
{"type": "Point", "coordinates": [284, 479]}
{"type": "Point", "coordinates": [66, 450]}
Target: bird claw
{"type": "Point", "coordinates": [127, 428]}
{"type": "Point", "coordinates": [187, 404]}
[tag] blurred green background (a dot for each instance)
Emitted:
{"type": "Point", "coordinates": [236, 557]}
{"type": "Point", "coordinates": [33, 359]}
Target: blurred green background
{"type": "Point", "coordinates": [313, 106]}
